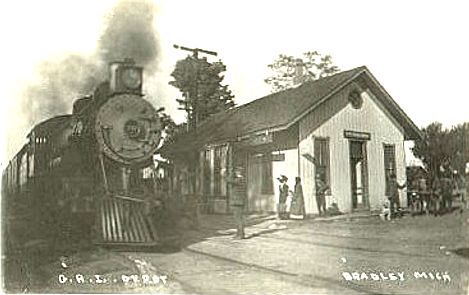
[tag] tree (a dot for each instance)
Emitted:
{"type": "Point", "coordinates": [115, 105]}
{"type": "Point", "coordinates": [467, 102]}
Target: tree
{"type": "Point", "coordinates": [290, 71]}
{"type": "Point", "coordinates": [200, 83]}
{"type": "Point", "coordinates": [460, 145]}
{"type": "Point", "coordinates": [443, 148]}
{"type": "Point", "coordinates": [169, 128]}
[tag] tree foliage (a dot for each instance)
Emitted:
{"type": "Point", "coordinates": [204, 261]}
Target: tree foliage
{"type": "Point", "coordinates": [289, 71]}
{"type": "Point", "coordinates": [200, 83]}
{"type": "Point", "coordinates": [443, 148]}
{"type": "Point", "coordinates": [169, 127]}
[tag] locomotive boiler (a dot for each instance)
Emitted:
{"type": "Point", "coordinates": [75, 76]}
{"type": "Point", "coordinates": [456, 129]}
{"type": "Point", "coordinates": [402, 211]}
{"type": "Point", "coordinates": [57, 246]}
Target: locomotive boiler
{"type": "Point", "coordinates": [89, 174]}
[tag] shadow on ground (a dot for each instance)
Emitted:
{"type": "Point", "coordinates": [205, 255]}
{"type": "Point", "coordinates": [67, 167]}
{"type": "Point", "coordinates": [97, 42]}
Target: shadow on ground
{"type": "Point", "coordinates": [210, 226]}
{"type": "Point", "coordinates": [464, 252]}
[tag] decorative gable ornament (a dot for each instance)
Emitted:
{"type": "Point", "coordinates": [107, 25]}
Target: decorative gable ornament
{"type": "Point", "coordinates": [355, 99]}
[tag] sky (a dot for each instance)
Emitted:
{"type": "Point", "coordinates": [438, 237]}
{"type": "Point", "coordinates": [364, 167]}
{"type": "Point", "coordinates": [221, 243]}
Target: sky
{"type": "Point", "coordinates": [418, 50]}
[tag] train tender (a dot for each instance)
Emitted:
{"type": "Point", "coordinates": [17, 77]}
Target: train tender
{"type": "Point", "coordinates": [89, 174]}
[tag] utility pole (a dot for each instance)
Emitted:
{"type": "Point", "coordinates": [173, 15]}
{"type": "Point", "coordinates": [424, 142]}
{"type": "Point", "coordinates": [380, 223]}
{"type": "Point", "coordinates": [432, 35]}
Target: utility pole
{"type": "Point", "coordinates": [193, 118]}
{"type": "Point", "coordinates": [195, 51]}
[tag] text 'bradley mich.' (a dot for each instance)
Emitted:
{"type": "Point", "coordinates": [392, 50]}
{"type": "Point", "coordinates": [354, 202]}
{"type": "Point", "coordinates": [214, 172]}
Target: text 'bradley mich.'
{"type": "Point", "coordinates": [395, 276]}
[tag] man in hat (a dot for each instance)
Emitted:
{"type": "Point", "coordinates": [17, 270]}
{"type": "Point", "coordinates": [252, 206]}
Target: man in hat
{"type": "Point", "coordinates": [283, 195]}
{"type": "Point", "coordinates": [394, 188]}
{"type": "Point", "coordinates": [447, 186]}
{"type": "Point", "coordinates": [321, 188]}
{"type": "Point", "coordinates": [238, 196]}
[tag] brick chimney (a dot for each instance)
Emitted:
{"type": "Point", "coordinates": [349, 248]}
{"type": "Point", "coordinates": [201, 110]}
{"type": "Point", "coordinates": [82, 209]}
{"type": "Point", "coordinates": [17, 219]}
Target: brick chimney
{"type": "Point", "coordinates": [299, 67]}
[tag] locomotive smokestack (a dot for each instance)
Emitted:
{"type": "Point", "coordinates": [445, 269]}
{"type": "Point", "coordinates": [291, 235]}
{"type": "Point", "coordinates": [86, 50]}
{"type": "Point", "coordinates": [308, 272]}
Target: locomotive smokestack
{"type": "Point", "coordinates": [125, 77]}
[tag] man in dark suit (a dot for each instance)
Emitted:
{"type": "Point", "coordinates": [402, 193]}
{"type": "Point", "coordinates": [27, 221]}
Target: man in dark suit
{"type": "Point", "coordinates": [321, 189]}
{"type": "Point", "coordinates": [237, 183]}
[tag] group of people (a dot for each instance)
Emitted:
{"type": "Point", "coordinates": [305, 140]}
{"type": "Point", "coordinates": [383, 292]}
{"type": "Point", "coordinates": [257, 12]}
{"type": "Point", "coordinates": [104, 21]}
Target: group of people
{"type": "Point", "coordinates": [436, 198]}
{"type": "Point", "coordinates": [237, 184]}
{"type": "Point", "coordinates": [297, 205]}
{"type": "Point", "coordinates": [439, 196]}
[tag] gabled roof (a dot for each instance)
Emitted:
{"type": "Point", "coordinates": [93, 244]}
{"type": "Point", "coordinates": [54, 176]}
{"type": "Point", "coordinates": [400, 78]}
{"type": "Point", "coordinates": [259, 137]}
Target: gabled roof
{"type": "Point", "coordinates": [279, 111]}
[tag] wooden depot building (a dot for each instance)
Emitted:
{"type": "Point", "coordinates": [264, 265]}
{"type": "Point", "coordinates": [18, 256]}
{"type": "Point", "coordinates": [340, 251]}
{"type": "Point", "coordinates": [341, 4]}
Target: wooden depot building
{"type": "Point", "coordinates": [345, 126]}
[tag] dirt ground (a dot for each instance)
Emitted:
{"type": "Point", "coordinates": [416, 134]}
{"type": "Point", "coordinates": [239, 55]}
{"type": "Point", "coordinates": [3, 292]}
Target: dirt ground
{"type": "Point", "coordinates": [411, 255]}
{"type": "Point", "coordinates": [335, 255]}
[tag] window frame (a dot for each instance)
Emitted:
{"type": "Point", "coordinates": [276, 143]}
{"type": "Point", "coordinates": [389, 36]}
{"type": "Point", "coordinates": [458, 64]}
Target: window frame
{"type": "Point", "coordinates": [267, 182]}
{"type": "Point", "coordinates": [217, 170]}
{"type": "Point", "coordinates": [206, 172]}
{"type": "Point", "coordinates": [388, 171]}
{"type": "Point", "coordinates": [323, 161]}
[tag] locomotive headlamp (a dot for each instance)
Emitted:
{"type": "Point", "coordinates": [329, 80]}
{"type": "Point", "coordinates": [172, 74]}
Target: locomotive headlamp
{"type": "Point", "coordinates": [132, 77]}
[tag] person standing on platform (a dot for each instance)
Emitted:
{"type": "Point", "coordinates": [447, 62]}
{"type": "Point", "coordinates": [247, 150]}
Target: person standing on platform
{"type": "Point", "coordinates": [461, 187]}
{"type": "Point", "coordinates": [298, 204]}
{"type": "Point", "coordinates": [394, 193]}
{"type": "Point", "coordinates": [321, 188]}
{"type": "Point", "coordinates": [238, 199]}
{"type": "Point", "coordinates": [283, 195]}
{"type": "Point", "coordinates": [424, 195]}
{"type": "Point", "coordinates": [447, 186]}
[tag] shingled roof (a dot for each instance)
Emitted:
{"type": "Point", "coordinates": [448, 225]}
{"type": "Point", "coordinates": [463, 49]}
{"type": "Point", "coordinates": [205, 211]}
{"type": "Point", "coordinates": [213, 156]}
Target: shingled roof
{"type": "Point", "coordinates": [275, 112]}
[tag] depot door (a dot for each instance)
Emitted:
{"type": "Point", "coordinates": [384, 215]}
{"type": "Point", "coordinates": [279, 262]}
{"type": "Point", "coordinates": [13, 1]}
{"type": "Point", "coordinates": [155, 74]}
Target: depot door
{"type": "Point", "coordinates": [359, 175]}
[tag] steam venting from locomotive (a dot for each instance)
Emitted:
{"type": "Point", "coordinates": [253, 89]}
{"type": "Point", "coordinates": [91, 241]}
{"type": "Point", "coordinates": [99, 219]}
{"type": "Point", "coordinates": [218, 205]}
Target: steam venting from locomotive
{"type": "Point", "coordinates": [129, 32]}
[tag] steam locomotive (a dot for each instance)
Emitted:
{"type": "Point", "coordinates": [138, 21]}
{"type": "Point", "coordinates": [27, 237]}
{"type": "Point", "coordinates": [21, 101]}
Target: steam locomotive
{"type": "Point", "coordinates": [89, 173]}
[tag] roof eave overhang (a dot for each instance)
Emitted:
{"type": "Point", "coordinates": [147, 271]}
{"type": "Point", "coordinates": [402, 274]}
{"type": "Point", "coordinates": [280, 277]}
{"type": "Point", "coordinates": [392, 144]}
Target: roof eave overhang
{"type": "Point", "coordinates": [411, 131]}
{"type": "Point", "coordinates": [326, 97]}
{"type": "Point", "coordinates": [283, 127]}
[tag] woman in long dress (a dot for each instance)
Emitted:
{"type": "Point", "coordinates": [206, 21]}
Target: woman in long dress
{"type": "Point", "coordinates": [298, 205]}
{"type": "Point", "coordinates": [283, 195]}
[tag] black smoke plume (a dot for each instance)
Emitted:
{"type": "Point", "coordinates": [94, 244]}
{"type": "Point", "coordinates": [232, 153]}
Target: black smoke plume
{"type": "Point", "coordinates": [128, 33]}
{"type": "Point", "coordinates": [61, 81]}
